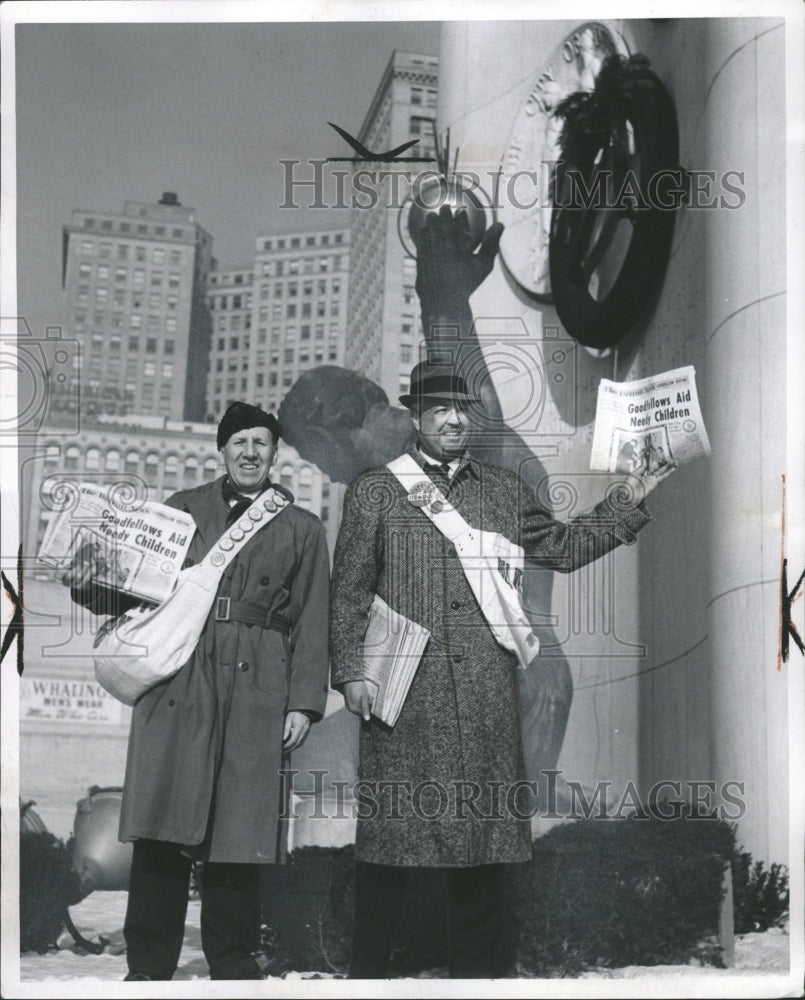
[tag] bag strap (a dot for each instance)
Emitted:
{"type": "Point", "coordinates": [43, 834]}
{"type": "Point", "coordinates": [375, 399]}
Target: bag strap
{"type": "Point", "coordinates": [263, 509]}
{"type": "Point", "coordinates": [500, 603]}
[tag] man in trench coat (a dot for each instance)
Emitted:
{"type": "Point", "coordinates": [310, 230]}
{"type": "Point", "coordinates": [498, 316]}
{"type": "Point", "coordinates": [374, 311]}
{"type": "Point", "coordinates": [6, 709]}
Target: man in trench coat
{"type": "Point", "coordinates": [443, 788]}
{"type": "Point", "coordinates": [207, 747]}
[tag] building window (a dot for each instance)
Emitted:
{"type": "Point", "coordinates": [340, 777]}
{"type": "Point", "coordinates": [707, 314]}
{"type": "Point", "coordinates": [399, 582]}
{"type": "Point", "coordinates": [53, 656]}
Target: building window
{"type": "Point", "coordinates": [92, 461]}
{"type": "Point", "coordinates": [167, 370]}
{"type": "Point", "coordinates": [112, 462]}
{"type": "Point", "coordinates": [168, 346]}
{"type": "Point", "coordinates": [132, 462]}
{"type": "Point", "coordinates": [210, 469]}
{"type": "Point", "coordinates": [87, 246]}
{"type": "Point", "coordinates": [151, 346]}
{"type": "Point", "coordinates": [151, 468]}
{"type": "Point", "coordinates": [158, 255]}
{"type": "Point", "coordinates": [150, 369]}
{"type": "Point", "coordinates": [190, 469]}
{"type": "Point", "coordinates": [171, 471]}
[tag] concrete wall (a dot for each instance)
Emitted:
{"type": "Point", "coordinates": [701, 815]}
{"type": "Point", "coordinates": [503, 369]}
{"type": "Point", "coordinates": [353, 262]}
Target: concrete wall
{"type": "Point", "coordinates": [672, 643]}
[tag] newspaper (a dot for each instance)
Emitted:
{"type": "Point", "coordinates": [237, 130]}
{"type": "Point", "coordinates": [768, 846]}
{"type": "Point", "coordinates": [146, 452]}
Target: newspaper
{"type": "Point", "coordinates": [649, 426]}
{"type": "Point", "coordinates": [392, 648]}
{"type": "Point", "coordinates": [136, 551]}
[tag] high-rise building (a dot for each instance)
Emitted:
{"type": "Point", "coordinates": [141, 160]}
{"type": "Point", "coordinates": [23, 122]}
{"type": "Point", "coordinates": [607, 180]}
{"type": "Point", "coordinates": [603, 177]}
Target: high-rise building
{"type": "Point", "coordinates": [383, 322]}
{"type": "Point", "coordinates": [272, 320]}
{"type": "Point", "coordinates": [135, 300]}
{"type": "Point", "coordinates": [229, 296]}
{"type": "Point", "coordinates": [278, 317]}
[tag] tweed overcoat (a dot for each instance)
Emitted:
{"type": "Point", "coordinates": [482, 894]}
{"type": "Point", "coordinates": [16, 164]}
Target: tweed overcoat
{"type": "Point", "coordinates": [205, 749]}
{"type": "Point", "coordinates": [443, 788]}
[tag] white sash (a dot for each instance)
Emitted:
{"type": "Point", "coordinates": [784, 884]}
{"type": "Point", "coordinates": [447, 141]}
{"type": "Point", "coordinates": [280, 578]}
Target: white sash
{"type": "Point", "coordinates": [492, 564]}
{"type": "Point", "coordinates": [148, 645]}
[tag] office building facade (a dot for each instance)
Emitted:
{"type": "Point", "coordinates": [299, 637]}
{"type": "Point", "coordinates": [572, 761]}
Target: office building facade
{"type": "Point", "coordinates": [134, 297]}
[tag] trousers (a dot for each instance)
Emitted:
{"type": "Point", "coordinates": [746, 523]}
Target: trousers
{"type": "Point", "coordinates": [157, 909]}
{"type": "Point", "coordinates": [476, 920]}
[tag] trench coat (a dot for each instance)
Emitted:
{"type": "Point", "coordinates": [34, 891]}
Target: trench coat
{"type": "Point", "coordinates": [445, 787]}
{"type": "Point", "coordinates": [205, 749]}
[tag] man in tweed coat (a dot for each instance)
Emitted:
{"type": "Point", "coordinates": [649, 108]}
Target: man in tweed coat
{"type": "Point", "coordinates": [444, 788]}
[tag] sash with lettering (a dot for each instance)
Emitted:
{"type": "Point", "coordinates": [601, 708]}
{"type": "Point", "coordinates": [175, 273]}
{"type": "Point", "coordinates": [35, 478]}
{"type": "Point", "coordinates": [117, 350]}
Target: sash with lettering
{"type": "Point", "coordinates": [492, 564]}
{"type": "Point", "coordinates": [148, 645]}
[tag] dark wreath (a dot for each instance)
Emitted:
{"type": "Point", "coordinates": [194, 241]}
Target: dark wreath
{"type": "Point", "coordinates": [614, 195]}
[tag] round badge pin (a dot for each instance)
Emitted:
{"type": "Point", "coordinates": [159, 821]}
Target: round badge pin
{"type": "Point", "coordinates": [217, 558]}
{"type": "Point", "coordinates": [236, 535]}
{"type": "Point", "coordinates": [437, 506]}
{"type": "Point", "coordinates": [269, 505]}
{"type": "Point", "coordinates": [245, 524]}
{"type": "Point", "coordinates": [255, 514]}
{"type": "Point", "coordinates": [419, 495]}
{"type": "Point", "coordinates": [226, 544]}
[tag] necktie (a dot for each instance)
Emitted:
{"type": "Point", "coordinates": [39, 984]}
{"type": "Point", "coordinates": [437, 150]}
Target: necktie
{"type": "Point", "coordinates": [439, 473]}
{"type": "Point", "coordinates": [241, 503]}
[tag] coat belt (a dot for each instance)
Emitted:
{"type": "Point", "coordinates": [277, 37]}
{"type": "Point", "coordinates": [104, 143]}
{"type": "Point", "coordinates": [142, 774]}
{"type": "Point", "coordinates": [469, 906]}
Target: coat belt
{"type": "Point", "coordinates": [227, 610]}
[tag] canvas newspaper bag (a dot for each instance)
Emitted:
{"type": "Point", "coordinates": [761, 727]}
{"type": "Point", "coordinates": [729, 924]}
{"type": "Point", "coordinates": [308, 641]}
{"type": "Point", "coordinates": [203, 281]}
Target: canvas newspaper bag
{"type": "Point", "coordinates": [147, 645]}
{"type": "Point", "coordinates": [489, 560]}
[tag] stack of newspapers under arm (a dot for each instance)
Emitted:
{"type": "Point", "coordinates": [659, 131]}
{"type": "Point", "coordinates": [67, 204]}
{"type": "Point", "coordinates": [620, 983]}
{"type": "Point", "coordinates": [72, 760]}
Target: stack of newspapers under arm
{"type": "Point", "coordinates": [392, 648]}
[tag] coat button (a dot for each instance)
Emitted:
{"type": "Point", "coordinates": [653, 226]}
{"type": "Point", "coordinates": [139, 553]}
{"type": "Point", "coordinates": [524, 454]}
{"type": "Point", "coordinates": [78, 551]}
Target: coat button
{"type": "Point", "coordinates": [171, 702]}
{"type": "Point", "coordinates": [243, 665]}
{"type": "Point", "coordinates": [455, 605]}
{"type": "Point", "coordinates": [457, 658]}
{"type": "Point", "coordinates": [263, 581]}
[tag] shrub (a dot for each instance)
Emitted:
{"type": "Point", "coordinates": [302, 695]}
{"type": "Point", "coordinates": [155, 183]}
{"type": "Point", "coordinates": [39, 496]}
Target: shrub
{"type": "Point", "coordinates": [621, 892]}
{"type": "Point", "coordinates": [760, 896]}
{"type": "Point", "coordinates": [637, 891]}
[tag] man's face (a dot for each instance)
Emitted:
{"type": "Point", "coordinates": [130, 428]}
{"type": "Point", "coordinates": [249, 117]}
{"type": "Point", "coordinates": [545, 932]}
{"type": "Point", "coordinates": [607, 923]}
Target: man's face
{"type": "Point", "coordinates": [248, 456]}
{"type": "Point", "coordinates": [443, 427]}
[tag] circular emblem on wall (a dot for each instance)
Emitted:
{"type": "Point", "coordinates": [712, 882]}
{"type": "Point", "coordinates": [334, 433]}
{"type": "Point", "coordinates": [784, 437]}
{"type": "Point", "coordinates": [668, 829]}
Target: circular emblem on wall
{"type": "Point", "coordinates": [524, 203]}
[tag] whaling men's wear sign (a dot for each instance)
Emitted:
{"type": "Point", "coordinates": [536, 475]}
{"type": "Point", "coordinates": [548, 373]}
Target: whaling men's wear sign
{"type": "Point", "coordinates": [652, 425]}
{"type": "Point", "coordinates": [59, 699]}
{"type": "Point", "coordinates": [135, 548]}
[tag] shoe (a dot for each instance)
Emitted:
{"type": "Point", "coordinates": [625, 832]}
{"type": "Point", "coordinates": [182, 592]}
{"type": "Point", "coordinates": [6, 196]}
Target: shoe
{"type": "Point", "coordinates": [137, 977]}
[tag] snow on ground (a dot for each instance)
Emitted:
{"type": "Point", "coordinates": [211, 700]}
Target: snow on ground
{"type": "Point", "coordinates": [101, 915]}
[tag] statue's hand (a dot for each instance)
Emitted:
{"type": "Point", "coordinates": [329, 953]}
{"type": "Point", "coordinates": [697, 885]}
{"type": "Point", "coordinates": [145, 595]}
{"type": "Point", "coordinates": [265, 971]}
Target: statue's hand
{"type": "Point", "coordinates": [448, 270]}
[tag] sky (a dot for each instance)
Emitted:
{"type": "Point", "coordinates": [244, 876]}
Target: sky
{"type": "Point", "coordinates": [110, 112]}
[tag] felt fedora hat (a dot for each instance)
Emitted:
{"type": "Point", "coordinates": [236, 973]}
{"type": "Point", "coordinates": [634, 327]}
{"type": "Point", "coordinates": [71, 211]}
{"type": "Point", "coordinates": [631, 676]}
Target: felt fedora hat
{"type": "Point", "coordinates": [437, 381]}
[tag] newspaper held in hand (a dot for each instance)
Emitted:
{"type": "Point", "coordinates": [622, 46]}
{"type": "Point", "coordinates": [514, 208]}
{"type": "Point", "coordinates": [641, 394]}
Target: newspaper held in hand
{"type": "Point", "coordinates": [136, 551]}
{"type": "Point", "coordinates": [392, 648]}
{"type": "Point", "coordinates": [649, 427]}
